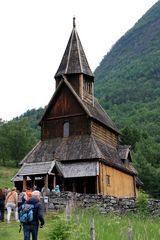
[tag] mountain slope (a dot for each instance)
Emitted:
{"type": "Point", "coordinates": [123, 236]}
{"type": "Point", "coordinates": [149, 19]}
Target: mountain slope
{"type": "Point", "coordinates": [127, 84]}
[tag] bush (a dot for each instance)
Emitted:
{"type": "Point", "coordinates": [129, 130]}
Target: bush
{"type": "Point", "coordinates": [60, 229]}
{"type": "Point", "coordinates": [142, 203]}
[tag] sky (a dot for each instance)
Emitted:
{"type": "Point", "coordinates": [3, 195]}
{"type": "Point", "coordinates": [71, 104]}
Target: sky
{"type": "Point", "coordinates": [34, 35]}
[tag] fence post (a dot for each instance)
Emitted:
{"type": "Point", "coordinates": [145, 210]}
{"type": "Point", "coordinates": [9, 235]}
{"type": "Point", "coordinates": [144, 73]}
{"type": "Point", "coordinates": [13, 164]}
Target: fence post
{"type": "Point", "coordinates": [92, 230]}
{"type": "Point", "coordinates": [68, 212]}
{"type": "Point", "coordinates": [129, 233]}
{"type": "Point", "coordinates": [77, 220]}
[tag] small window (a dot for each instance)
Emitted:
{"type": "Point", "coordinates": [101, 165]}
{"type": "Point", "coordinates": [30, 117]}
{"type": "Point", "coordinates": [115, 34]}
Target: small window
{"type": "Point", "coordinates": [108, 180]}
{"type": "Point", "coordinates": [66, 129]}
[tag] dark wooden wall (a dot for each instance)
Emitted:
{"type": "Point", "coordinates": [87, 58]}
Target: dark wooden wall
{"type": "Point", "coordinates": [54, 128]}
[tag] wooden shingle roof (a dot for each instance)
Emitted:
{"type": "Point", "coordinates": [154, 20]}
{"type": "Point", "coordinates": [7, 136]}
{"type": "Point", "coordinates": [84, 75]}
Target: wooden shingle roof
{"type": "Point", "coordinates": [78, 169]}
{"type": "Point", "coordinates": [76, 148]}
{"type": "Point", "coordinates": [74, 59]}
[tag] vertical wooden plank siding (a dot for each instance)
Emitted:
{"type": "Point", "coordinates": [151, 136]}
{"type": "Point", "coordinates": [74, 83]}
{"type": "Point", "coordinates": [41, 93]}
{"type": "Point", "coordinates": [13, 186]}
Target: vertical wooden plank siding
{"type": "Point", "coordinates": [81, 86]}
{"type": "Point", "coordinates": [104, 134]}
{"type": "Point", "coordinates": [121, 184]}
{"type": "Point", "coordinates": [103, 178]}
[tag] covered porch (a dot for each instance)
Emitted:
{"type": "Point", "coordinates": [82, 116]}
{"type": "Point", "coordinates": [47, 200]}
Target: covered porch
{"type": "Point", "coordinates": [81, 177]}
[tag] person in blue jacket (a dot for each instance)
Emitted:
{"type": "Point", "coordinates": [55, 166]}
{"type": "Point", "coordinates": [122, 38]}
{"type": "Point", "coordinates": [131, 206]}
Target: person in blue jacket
{"type": "Point", "coordinates": [57, 190]}
{"type": "Point", "coordinates": [31, 228]}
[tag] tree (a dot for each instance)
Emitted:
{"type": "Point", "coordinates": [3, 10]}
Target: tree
{"type": "Point", "coordinates": [16, 140]}
{"type": "Point", "coordinates": [130, 136]}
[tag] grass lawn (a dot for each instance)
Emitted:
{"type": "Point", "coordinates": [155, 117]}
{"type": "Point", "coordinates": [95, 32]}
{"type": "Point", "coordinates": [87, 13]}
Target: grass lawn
{"type": "Point", "coordinates": [11, 231]}
{"type": "Point", "coordinates": [107, 227]}
{"type": "Point", "coordinates": [5, 176]}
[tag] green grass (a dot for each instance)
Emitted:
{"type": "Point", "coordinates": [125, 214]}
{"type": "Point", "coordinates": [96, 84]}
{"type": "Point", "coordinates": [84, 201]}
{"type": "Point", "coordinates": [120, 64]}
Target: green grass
{"type": "Point", "coordinates": [107, 227]}
{"type": "Point", "coordinates": [6, 173]}
{"type": "Point", "coordinates": [11, 231]}
{"type": "Point", "coordinates": [115, 227]}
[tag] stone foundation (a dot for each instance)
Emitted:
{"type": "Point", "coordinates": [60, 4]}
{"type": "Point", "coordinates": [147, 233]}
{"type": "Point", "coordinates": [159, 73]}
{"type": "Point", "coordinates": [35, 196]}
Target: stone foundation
{"type": "Point", "coordinates": [104, 204]}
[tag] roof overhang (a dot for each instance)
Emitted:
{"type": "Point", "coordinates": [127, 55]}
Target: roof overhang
{"type": "Point", "coordinates": [78, 169]}
{"type": "Point", "coordinates": [34, 169]}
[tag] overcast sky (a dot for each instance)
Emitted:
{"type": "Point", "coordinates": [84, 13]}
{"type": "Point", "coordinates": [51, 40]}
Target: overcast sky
{"type": "Point", "coordinates": [33, 37]}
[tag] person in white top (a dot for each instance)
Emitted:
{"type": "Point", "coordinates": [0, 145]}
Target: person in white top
{"type": "Point", "coordinates": [11, 202]}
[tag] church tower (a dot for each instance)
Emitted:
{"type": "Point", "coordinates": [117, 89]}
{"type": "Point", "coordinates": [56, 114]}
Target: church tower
{"type": "Point", "coordinates": [74, 66]}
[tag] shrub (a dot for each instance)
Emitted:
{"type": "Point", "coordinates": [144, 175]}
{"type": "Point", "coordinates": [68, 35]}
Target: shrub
{"type": "Point", "coordinates": [60, 229]}
{"type": "Point", "coordinates": [142, 203]}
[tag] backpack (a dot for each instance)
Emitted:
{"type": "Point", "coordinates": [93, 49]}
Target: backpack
{"type": "Point", "coordinates": [26, 213]}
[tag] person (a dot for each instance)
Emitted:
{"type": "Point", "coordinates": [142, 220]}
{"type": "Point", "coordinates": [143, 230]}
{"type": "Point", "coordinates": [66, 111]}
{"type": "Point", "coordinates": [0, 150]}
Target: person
{"type": "Point", "coordinates": [2, 204]}
{"type": "Point", "coordinates": [32, 227]}
{"type": "Point", "coordinates": [21, 198]}
{"type": "Point", "coordinates": [43, 192]}
{"type": "Point", "coordinates": [28, 193]}
{"type": "Point", "coordinates": [11, 202]}
{"type": "Point", "coordinates": [57, 190]}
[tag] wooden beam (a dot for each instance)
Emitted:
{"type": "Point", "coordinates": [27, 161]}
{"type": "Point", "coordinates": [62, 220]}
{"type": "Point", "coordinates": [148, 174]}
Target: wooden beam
{"type": "Point", "coordinates": [46, 184]}
{"type": "Point", "coordinates": [66, 116]}
{"type": "Point", "coordinates": [97, 185]}
{"type": "Point", "coordinates": [24, 182]}
{"type": "Point", "coordinates": [63, 184]}
{"type": "Point", "coordinates": [54, 181]}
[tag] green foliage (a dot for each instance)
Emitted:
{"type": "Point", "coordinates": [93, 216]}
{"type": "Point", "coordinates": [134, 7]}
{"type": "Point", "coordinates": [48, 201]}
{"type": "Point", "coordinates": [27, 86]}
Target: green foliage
{"type": "Point", "coordinates": [127, 84]}
{"type": "Point", "coordinates": [146, 158]}
{"type": "Point", "coordinates": [33, 117]}
{"type": "Point", "coordinates": [129, 136]}
{"type": "Point", "coordinates": [142, 203]}
{"type": "Point", "coordinates": [16, 140]}
{"type": "Point", "coordinates": [60, 230]}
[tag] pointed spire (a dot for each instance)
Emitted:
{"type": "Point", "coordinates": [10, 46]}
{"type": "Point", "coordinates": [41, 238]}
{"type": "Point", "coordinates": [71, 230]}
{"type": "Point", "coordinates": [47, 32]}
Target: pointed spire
{"type": "Point", "coordinates": [74, 22]}
{"type": "Point", "coordinates": [74, 60]}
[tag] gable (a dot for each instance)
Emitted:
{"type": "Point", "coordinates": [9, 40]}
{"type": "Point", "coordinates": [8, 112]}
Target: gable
{"type": "Point", "coordinates": [64, 104]}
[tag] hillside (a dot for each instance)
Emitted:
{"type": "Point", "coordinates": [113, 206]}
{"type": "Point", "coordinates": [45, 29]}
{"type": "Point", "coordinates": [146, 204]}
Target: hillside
{"type": "Point", "coordinates": [127, 84]}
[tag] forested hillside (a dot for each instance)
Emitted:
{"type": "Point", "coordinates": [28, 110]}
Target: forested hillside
{"type": "Point", "coordinates": [127, 84]}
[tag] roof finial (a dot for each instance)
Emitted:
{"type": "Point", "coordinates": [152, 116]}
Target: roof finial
{"type": "Point", "coordinates": [74, 22]}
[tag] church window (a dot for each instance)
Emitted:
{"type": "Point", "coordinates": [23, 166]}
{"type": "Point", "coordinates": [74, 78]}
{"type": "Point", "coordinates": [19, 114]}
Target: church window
{"type": "Point", "coordinates": [66, 129]}
{"type": "Point", "coordinates": [108, 180]}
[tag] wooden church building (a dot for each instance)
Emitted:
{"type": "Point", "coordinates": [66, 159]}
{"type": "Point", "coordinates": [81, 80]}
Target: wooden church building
{"type": "Point", "coordinates": [79, 147]}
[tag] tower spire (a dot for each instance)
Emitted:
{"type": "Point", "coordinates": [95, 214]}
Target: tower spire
{"type": "Point", "coordinates": [74, 60]}
{"type": "Point", "coordinates": [74, 22]}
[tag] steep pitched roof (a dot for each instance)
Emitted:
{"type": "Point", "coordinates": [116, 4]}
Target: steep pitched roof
{"type": "Point", "coordinates": [76, 148]}
{"type": "Point", "coordinates": [96, 112]}
{"type": "Point", "coordinates": [74, 59]}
